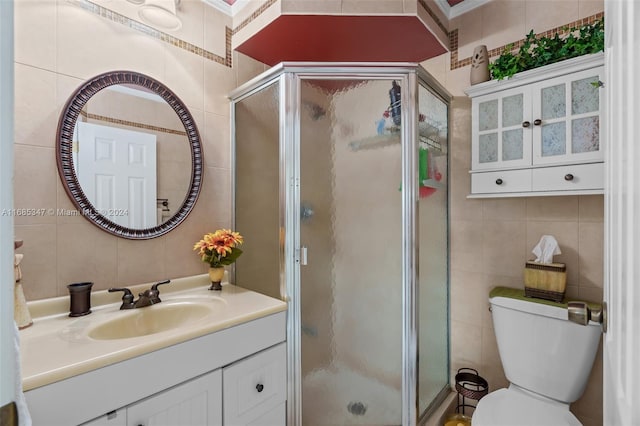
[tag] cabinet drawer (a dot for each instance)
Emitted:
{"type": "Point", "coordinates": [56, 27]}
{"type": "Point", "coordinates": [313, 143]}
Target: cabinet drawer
{"type": "Point", "coordinates": [115, 418]}
{"type": "Point", "coordinates": [567, 178]}
{"type": "Point", "coordinates": [254, 386]}
{"type": "Point", "coordinates": [499, 182]}
{"type": "Point", "coordinates": [276, 417]}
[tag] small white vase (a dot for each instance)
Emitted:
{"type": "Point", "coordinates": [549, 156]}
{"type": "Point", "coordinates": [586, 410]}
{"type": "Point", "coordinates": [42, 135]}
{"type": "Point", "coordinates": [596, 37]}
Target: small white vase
{"type": "Point", "coordinates": [21, 313]}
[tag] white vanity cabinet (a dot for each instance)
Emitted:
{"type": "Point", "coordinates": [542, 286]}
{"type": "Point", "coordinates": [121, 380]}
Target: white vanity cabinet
{"type": "Point", "coordinates": [235, 376]}
{"type": "Point", "coordinates": [538, 132]}
{"type": "Point", "coordinates": [254, 393]}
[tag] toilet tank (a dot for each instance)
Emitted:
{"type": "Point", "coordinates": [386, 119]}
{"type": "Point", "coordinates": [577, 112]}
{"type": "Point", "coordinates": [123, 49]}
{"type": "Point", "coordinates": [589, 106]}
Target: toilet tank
{"type": "Point", "coordinates": [541, 350]}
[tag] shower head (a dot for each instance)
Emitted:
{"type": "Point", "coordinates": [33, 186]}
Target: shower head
{"type": "Point", "coordinates": [315, 110]}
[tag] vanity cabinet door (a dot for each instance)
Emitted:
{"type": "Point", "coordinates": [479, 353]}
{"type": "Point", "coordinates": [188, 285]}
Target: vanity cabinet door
{"type": "Point", "coordinates": [255, 389]}
{"type": "Point", "coordinates": [197, 402]}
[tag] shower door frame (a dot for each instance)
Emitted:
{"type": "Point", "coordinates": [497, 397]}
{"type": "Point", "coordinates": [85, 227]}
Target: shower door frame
{"type": "Point", "coordinates": [290, 76]}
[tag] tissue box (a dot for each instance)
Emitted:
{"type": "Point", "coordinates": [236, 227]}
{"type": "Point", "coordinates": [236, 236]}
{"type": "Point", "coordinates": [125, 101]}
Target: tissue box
{"type": "Point", "coordinates": [545, 280]}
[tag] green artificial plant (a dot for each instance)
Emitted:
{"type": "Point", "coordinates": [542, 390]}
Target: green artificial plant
{"type": "Point", "coordinates": [538, 51]}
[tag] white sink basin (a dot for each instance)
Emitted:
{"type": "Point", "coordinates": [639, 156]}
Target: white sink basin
{"type": "Point", "coordinates": [153, 319]}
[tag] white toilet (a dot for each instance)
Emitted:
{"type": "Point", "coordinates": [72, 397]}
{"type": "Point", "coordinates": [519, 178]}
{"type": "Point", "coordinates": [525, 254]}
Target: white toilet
{"type": "Point", "coordinates": [546, 358]}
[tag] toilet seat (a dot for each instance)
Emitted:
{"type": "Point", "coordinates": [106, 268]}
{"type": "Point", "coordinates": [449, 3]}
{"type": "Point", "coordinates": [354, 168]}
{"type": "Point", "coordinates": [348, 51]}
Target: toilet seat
{"type": "Point", "coordinates": [516, 407]}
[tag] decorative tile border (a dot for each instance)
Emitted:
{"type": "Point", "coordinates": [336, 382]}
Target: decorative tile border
{"type": "Point", "coordinates": [259, 11]}
{"type": "Point", "coordinates": [431, 13]}
{"type": "Point", "coordinates": [157, 34]}
{"type": "Point", "coordinates": [131, 123]}
{"type": "Point", "coordinates": [227, 60]}
{"type": "Point", "coordinates": [562, 30]}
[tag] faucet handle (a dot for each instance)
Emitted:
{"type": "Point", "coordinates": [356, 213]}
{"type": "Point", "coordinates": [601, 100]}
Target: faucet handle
{"type": "Point", "coordinates": [153, 294]}
{"type": "Point", "coordinates": [155, 286]}
{"type": "Point", "coordinates": [127, 297]}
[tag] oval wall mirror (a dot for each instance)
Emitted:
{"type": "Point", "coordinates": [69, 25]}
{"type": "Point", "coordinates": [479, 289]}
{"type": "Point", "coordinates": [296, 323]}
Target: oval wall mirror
{"type": "Point", "coordinates": [129, 155]}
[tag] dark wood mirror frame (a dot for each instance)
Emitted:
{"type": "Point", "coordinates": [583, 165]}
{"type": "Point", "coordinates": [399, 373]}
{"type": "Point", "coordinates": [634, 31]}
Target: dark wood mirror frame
{"type": "Point", "coordinates": [64, 150]}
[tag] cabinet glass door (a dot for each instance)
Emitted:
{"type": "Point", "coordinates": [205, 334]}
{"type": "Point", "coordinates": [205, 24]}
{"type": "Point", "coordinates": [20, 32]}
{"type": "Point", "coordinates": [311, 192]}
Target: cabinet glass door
{"type": "Point", "coordinates": [503, 135]}
{"type": "Point", "coordinates": [566, 114]}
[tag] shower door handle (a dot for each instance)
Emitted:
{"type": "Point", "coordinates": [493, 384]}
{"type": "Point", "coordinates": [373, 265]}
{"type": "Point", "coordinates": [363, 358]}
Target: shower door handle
{"type": "Point", "coordinates": [303, 255]}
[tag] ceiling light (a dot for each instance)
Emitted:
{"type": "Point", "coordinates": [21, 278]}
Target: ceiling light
{"type": "Point", "coordinates": [136, 2]}
{"type": "Point", "coordinates": [160, 14]}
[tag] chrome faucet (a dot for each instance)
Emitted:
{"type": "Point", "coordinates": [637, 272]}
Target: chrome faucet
{"type": "Point", "coordinates": [148, 297]}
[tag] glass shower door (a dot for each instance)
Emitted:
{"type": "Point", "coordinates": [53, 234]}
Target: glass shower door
{"type": "Point", "coordinates": [351, 226]}
{"type": "Point", "coordinates": [433, 313]}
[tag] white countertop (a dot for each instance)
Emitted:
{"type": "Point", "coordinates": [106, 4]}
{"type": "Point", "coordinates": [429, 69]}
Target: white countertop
{"type": "Point", "coordinates": [57, 346]}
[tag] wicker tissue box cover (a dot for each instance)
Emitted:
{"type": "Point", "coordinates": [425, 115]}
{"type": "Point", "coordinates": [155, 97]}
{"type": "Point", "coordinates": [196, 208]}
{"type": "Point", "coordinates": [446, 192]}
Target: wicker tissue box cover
{"type": "Point", "coordinates": [545, 280]}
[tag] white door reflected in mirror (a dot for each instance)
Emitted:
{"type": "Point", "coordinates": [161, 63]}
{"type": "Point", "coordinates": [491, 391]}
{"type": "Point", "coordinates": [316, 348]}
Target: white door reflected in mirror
{"type": "Point", "coordinates": [117, 171]}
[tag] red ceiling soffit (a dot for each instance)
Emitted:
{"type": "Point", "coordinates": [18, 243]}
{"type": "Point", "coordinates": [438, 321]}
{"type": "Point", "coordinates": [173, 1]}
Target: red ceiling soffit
{"type": "Point", "coordinates": [326, 38]}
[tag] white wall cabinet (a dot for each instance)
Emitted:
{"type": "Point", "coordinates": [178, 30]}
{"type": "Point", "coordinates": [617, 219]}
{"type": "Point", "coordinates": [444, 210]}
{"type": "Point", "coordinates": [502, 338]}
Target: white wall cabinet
{"type": "Point", "coordinates": [538, 132]}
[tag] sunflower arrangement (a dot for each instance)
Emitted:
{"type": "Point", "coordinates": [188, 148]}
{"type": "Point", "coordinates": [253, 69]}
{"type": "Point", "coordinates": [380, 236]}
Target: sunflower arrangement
{"type": "Point", "coordinates": [219, 248]}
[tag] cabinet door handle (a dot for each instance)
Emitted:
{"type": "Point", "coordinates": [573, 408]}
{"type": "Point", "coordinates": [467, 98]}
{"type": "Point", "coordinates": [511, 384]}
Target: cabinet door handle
{"type": "Point", "coordinates": [537, 122]}
{"type": "Point", "coordinates": [526, 124]}
{"type": "Point", "coordinates": [259, 387]}
{"type": "Point", "coordinates": [568, 177]}
{"type": "Point", "coordinates": [498, 181]}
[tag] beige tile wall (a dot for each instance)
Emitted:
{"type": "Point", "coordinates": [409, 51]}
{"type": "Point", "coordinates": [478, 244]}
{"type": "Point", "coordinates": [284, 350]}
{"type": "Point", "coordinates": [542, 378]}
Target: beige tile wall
{"type": "Point", "coordinates": [492, 238]}
{"type": "Point", "coordinates": [59, 45]}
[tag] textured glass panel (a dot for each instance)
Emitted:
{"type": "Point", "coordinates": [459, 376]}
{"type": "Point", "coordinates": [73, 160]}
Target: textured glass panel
{"type": "Point", "coordinates": [488, 115]}
{"type": "Point", "coordinates": [554, 103]}
{"type": "Point", "coordinates": [512, 110]}
{"type": "Point", "coordinates": [554, 139]}
{"type": "Point", "coordinates": [585, 135]}
{"type": "Point", "coordinates": [432, 125]}
{"type": "Point", "coordinates": [350, 204]}
{"type": "Point", "coordinates": [257, 207]}
{"type": "Point", "coordinates": [512, 145]}
{"type": "Point", "coordinates": [488, 148]}
{"type": "Point", "coordinates": [585, 97]}
{"type": "Point", "coordinates": [433, 355]}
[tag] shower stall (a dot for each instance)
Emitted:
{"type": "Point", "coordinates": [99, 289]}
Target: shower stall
{"type": "Point", "coordinates": [341, 193]}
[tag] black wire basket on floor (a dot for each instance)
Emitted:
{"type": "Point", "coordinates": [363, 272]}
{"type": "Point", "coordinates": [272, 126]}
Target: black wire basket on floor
{"type": "Point", "coordinates": [469, 385]}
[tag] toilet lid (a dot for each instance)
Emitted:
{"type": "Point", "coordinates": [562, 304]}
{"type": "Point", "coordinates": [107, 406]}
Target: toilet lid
{"type": "Point", "coordinates": [514, 407]}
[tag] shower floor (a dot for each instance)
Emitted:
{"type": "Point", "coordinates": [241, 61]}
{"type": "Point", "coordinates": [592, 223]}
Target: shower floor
{"type": "Point", "coordinates": [339, 397]}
